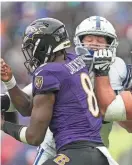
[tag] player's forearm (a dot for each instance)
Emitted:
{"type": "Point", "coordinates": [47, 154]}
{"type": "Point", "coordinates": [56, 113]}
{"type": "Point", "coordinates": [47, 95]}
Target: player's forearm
{"type": "Point", "coordinates": [21, 101]}
{"type": "Point", "coordinates": [22, 133]}
{"type": "Point", "coordinates": [6, 103]}
{"type": "Point", "coordinates": [39, 122]}
{"type": "Point", "coordinates": [127, 125]}
{"type": "Point", "coordinates": [104, 93]}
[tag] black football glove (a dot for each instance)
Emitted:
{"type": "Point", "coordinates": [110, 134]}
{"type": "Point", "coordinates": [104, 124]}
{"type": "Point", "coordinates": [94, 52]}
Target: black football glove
{"type": "Point", "coordinates": [102, 61]}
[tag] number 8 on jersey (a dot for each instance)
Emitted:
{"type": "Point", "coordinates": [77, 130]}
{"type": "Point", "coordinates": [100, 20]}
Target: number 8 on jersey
{"type": "Point", "coordinates": [91, 99]}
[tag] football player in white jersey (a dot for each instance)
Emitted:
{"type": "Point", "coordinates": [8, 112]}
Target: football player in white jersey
{"type": "Point", "coordinates": [91, 34]}
{"type": "Point", "coordinates": [47, 148]}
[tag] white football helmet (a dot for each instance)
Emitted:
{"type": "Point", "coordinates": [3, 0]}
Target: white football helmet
{"type": "Point", "coordinates": [95, 25]}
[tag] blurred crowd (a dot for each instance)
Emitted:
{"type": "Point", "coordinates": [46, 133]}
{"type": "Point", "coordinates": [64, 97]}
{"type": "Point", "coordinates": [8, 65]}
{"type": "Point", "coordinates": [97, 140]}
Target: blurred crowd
{"type": "Point", "coordinates": [15, 16]}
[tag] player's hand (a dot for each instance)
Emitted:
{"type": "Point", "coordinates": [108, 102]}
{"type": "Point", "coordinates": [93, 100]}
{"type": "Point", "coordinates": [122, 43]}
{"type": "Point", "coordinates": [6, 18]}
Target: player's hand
{"type": "Point", "coordinates": [102, 61]}
{"type": "Point", "coordinates": [6, 72]}
{"type": "Point", "coordinates": [5, 102]}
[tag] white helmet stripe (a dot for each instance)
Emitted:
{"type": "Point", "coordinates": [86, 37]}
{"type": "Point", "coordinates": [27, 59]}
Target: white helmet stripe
{"type": "Point", "coordinates": [98, 22]}
{"type": "Point", "coordinates": [65, 44]}
{"type": "Point", "coordinates": [36, 45]}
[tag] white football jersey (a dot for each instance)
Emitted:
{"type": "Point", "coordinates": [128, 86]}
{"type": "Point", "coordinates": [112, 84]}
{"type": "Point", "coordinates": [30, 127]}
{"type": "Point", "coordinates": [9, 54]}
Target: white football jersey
{"type": "Point", "coordinates": [118, 74]}
{"type": "Point", "coordinates": [49, 144]}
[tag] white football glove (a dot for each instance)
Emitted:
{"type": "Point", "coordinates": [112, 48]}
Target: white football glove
{"type": "Point", "coordinates": [102, 61]}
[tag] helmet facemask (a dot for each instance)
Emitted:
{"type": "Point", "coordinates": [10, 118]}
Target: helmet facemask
{"type": "Point", "coordinates": [87, 50]}
{"type": "Point", "coordinates": [31, 62]}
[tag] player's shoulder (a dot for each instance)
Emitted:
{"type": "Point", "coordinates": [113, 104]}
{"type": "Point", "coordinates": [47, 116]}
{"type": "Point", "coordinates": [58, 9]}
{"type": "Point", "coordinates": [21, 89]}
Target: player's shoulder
{"type": "Point", "coordinates": [119, 67]}
{"type": "Point", "coordinates": [119, 62]}
{"type": "Point", "coordinates": [48, 68]}
{"type": "Point", "coordinates": [54, 68]}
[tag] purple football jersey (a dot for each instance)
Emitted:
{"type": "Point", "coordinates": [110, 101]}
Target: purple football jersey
{"type": "Point", "coordinates": [73, 118]}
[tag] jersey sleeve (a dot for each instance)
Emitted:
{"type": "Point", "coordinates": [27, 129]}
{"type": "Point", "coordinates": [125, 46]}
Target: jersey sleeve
{"type": "Point", "coordinates": [45, 82]}
{"type": "Point", "coordinates": [127, 83]}
{"type": "Point", "coordinates": [122, 69]}
{"type": "Point", "coordinates": [117, 74]}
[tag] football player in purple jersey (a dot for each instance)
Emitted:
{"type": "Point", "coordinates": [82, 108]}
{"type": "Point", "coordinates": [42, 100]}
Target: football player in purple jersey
{"type": "Point", "coordinates": [63, 97]}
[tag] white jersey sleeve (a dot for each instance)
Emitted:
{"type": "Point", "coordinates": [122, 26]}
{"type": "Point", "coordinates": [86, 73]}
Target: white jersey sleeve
{"type": "Point", "coordinates": [117, 74]}
{"type": "Point", "coordinates": [27, 90]}
{"type": "Point", "coordinates": [127, 83]}
{"type": "Point", "coordinates": [46, 150]}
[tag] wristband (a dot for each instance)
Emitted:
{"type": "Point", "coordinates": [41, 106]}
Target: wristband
{"type": "Point", "coordinates": [12, 129]}
{"type": "Point", "coordinates": [23, 135]}
{"type": "Point", "coordinates": [10, 84]}
{"type": "Point", "coordinates": [16, 131]}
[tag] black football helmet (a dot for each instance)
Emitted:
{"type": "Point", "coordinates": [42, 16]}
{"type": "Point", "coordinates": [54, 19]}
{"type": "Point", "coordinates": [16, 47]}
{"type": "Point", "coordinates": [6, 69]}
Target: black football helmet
{"type": "Point", "coordinates": [42, 38]}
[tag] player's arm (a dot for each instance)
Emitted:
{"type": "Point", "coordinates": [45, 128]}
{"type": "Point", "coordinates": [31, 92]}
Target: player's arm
{"type": "Point", "coordinates": [45, 85]}
{"type": "Point", "coordinates": [127, 125]}
{"type": "Point", "coordinates": [40, 119]}
{"type": "Point", "coordinates": [104, 93]}
{"type": "Point", "coordinates": [21, 101]}
{"type": "Point", "coordinates": [127, 83]}
{"type": "Point", "coordinates": [117, 107]}
{"type": "Point", "coordinates": [6, 101]}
